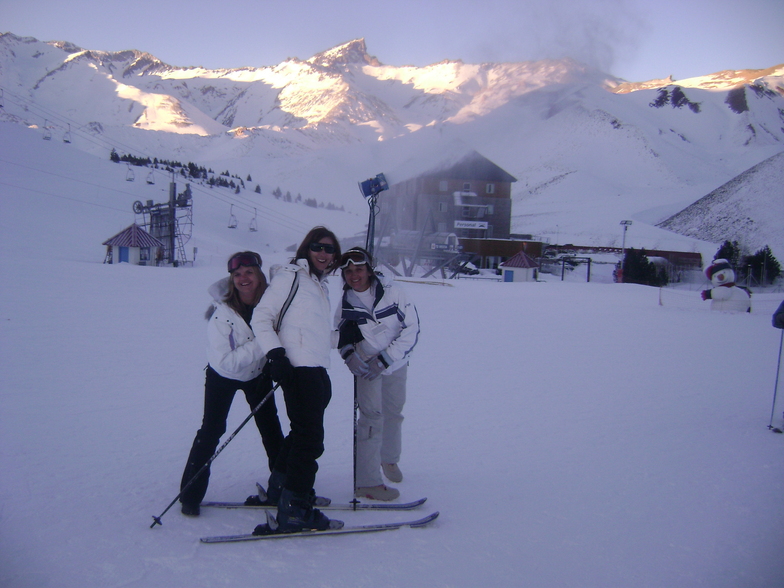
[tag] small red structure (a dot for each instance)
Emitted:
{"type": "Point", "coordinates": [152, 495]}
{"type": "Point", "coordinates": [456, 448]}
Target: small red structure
{"type": "Point", "coordinates": [133, 245]}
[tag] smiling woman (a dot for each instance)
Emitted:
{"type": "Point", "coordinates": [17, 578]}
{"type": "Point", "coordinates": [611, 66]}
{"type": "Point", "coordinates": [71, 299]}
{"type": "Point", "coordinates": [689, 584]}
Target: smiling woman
{"type": "Point", "coordinates": [298, 351]}
{"type": "Point", "coordinates": [378, 328]}
{"type": "Point", "coordinates": [235, 363]}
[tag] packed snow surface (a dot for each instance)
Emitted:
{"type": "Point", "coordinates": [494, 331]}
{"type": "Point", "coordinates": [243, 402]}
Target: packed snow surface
{"type": "Point", "coordinates": [571, 434]}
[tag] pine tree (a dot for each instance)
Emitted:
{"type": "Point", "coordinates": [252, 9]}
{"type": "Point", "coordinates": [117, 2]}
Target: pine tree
{"type": "Point", "coordinates": [258, 188]}
{"type": "Point", "coordinates": [763, 266]}
{"type": "Point", "coordinates": [638, 269]}
{"type": "Point", "coordinates": [730, 252]}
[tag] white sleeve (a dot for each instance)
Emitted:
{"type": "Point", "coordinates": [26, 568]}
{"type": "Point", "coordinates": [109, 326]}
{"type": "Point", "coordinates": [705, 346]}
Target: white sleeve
{"type": "Point", "coordinates": [266, 312]}
{"type": "Point", "coordinates": [229, 352]}
{"type": "Point", "coordinates": [402, 346]}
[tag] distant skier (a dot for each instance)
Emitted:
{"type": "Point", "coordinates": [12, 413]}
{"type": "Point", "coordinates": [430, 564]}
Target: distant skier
{"type": "Point", "coordinates": [725, 295]}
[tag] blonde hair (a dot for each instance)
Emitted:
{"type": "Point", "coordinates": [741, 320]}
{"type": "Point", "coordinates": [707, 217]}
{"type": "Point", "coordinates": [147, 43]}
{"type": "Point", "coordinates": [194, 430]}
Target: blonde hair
{"type": "Point", "coordinates": [232, 297]}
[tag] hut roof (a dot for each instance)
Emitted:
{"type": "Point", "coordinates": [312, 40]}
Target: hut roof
{"type": "Point", "coordinates": [520, 259]}
{"type": "Point", "coordinates": [472, 166]}
{"type": "Point", "coordinates": [133, 236]}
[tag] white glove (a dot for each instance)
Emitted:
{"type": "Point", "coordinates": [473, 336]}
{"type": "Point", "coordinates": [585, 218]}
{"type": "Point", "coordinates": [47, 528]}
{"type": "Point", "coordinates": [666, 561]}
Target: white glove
{"type": "Point", "coordinates": [375, 368]}
{"type": "Point", "coordinates": [354, 362]}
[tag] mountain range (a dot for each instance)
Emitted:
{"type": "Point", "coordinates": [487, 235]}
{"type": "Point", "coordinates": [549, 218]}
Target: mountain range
{"type": "Point", "coordinates": [588, 149]}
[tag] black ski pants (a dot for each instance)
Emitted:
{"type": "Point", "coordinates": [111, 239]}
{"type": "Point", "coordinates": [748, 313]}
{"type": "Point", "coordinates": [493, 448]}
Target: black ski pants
{"type": "Point", "coordinates": [218, 396]}
{"type": "Point", "coordinates": [307, 396]}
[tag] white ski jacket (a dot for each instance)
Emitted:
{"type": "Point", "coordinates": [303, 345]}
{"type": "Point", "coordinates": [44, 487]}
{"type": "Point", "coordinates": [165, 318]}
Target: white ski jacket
{"type": "Point", "coordinates": [232, 350]}
{"type": "Point", "coordinates": [390, 329]}
{"type": "Point", "coordinates": [306, 330]}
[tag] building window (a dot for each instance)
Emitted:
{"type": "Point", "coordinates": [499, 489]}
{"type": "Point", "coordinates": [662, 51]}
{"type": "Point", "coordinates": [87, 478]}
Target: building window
{"type": "Point", "coordinates": [490, 189]}
{"type": "Point", "coordinates": [467, 187]}
{"type": "Point", "coordinates": [443, 207]}
{"type": "Point", "coordinates": [443, 185]}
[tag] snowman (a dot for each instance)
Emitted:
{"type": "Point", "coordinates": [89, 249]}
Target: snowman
{"type": "Point", "coordinates": [725, 295]}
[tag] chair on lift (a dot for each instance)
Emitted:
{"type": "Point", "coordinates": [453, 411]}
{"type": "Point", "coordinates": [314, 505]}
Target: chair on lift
{"type": "Point", "coordinates": [232, 218]}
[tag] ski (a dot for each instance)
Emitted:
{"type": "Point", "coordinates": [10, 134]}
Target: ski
{"type": "Point", "coordinates": [342, 531]}
{"type": "Point", "coordinates": [259, 500]}
{"type": "Point", "coordinates": [332, 506]}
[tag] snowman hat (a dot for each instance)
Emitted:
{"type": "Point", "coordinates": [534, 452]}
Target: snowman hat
{"type": "Point", "coordinates": [717, 266]}
{"type": "Point", "coordinates": [717, 270]}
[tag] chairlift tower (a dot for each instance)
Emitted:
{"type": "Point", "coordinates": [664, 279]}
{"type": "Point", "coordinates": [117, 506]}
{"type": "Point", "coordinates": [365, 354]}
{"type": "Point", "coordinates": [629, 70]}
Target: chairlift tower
{"type": "Point", "coordinates": [170, 222]}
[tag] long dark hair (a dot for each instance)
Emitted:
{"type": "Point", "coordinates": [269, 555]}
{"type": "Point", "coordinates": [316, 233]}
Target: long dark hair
{"type": "Point", "coordinates": [315, 235]}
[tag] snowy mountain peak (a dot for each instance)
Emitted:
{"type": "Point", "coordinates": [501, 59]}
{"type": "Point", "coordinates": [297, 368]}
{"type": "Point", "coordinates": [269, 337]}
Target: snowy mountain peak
{"type": "Point", "coordinates": [587, 148]}
{"type": "Point", "coordinates": [727, 79]}
{"type": "Point", "coordinates": [66, 46]}
{"type": "Point", "coordinates": [346, 54]}
{"type": "Point", "coordinates": [130, 62]}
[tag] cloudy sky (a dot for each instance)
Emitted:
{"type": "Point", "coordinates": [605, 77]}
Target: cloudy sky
{"type": "Point", "coordinates": [633, 39]}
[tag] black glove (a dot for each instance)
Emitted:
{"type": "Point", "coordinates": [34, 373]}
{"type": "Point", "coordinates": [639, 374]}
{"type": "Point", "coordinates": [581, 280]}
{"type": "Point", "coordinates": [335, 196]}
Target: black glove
{"type": "Point", "coordinates": [280, 368]}
{"type": "Point", "coordinates": [349, 334]}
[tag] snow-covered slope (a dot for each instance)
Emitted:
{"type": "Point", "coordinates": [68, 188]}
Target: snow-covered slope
{"type": "Point", "coordinates": [588, 150]}
{"type": "Point", "coordinates": [572, 434]}
{"type": "Point", "coordinates": [732, 211]}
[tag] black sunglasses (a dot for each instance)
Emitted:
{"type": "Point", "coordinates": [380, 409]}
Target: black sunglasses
{"type": "Point", "coordinates": [316, 247]}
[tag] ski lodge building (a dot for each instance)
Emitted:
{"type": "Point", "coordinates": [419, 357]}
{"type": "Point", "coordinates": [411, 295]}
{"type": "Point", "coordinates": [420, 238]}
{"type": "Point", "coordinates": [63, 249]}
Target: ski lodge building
{"type": "Point", "coordinates": [461, 207]}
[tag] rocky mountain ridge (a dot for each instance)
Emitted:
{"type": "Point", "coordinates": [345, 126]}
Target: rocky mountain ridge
{"type": "Point", "coordinates": [588, 149]}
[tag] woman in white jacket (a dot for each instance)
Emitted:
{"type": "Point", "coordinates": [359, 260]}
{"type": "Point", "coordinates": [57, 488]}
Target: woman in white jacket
{"type": "Point", "coordinates": [378, 328]}
{"type": "Point", "coordinates": [235, 363]}
{"type": "Point", "coordinates": [298, 351]}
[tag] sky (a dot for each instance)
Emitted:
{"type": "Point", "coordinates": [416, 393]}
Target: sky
{"type": "Point", "coordinates": [636, 40]}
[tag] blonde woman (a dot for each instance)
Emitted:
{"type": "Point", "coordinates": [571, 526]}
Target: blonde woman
{"type": "Point", "coordinates": [235, 363]}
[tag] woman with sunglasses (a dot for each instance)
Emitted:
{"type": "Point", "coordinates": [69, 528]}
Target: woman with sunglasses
{"type": "Point", "coordinates": [235, 363]}
{"type": "Point", "coordinates": [298, 354]}
{"type": "Point", "coordinates": [378, 328]}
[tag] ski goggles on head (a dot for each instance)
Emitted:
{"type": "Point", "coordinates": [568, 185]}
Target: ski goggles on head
{"type": "Point", "coordinates": [316, 247]}
{"type": "Point", "coordinates": [354, 257]}
{"type": "Point", "coordinates": [244, 259]}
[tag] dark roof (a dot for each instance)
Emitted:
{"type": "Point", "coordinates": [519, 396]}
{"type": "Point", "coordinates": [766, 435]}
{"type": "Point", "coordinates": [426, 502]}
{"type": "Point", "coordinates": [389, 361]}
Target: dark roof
{"type": "Point", "coordinates": [520, 259]}
{"type": "Point", "coordinates": [473, 166]}
{"type": "Point", "coordinates": [133, 236]}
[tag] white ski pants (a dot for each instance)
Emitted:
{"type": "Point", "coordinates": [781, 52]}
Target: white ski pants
{"type": "Point", "coordinates": [379, 427]}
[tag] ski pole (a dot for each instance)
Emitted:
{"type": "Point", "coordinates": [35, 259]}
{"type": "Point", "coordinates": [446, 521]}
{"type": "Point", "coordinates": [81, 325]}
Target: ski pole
{"type": "Point", "coordinates": [356, 406]}
{"type": "Point", "coordinates": [776, 388]}
{"type": "Point", "coordinates": [157, 520]}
